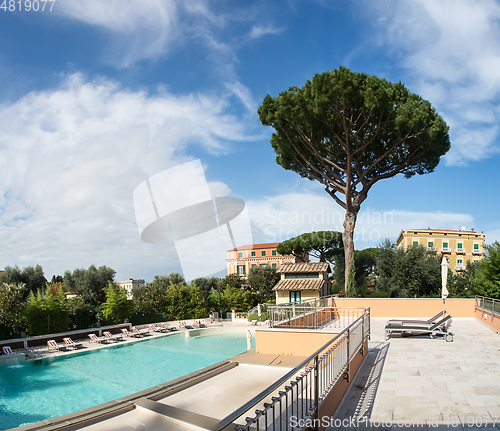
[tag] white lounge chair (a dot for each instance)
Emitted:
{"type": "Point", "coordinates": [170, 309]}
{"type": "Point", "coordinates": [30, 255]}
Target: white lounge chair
{"type": "Point", "coordinates": [253, 323]}
{"type": "Point", "coordinates": [7, 350]}
{"type": "Point", "coordinates": [112, 337]}
{"type": "Point", "coordinates": [141, 332]}
{"type": "Point", "coordinates": [70, 343]}
{"type": "Point", "coordinates": [52, 344]}
{"type": "Point", "coordinates": [96, 339]}
{"type": "Point", "coordinates": [155, 328]}
{"type": "Point", "coordinates": [183, 324]}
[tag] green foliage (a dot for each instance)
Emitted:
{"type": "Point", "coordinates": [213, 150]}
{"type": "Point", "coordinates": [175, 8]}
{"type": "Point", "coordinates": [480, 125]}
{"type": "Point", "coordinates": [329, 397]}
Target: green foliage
{"type": "Point", "coordinates": [231, 298]}
{"type": "Point", "coordinates": [90, 283]}
{"type": "Point", "coordinates": [47, 314]}
{"type": "Point", "coordinates": [261, 280]}
{"type": "Point", "coordinates": [231, 280]}
{"type": "Point", "coordinates": [413, 272]}
{"type": "Point", "coordinates": [263, 314]}
{"type": "Point", "coordinates": [461, 285]}
{"type": "Point", "coordinates": [184, 301]}
{"type": "Point", "coordinates": [117, 307]}
{"type": "Point", "coordinates": [323, 245]}
{"type": "Point", "coordinates": [487, 277]}
{"type": "Point", "coordinates": [205, 285]}
{"type": "Point", "coordinates": [350, 290]}
{"type": "Point", "coordinates": [82, 315]}
{"type": "Point", "coordinates": [364, 263]}
{"type": "Point", "coordinates": [31, 277]}
{"type": "Point", "coordinates": [11, 322]}
{"type": "Point", "coordinates": [350, 130]}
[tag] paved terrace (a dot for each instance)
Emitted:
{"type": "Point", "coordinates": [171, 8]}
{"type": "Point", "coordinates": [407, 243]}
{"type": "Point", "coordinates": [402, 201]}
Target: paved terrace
{"type": "Point", "coordinates": [429, 382]}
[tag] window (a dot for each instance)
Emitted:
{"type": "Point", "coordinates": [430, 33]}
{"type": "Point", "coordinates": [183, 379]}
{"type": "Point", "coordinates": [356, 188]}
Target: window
{"type": "Point", "coordinates": [254, 254]}
{"type": "Point", "coordinates": [274, 265]}
{"type": "Point", "coordinates": [263, 265]}
{"type": "Point", "coordinates": [294, 296]}
{"type": "Point", "coordinates": [459, 245]}
{"type": "Point", "coordinates": [476, 246]}
{"type": "Point", "coordinates": [430, 244]}
{"type": "Point", "coordinates": [459, 262]}
{"type": "Point", "coordinates": [415, 243]}
{"type": "Point", "coordinates": [241, 269]}
{"type": "Point", "coordinates": [263, 253]}
{"type": "Point", "coordinates": [273, 252]}
{"type": "Point", "coordinates": [253, 265]}
{"type": "Point", "coordinates": [445, 245]}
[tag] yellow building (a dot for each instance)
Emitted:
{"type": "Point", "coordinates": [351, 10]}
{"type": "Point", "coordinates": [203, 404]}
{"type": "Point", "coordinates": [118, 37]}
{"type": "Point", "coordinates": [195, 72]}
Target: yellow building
{"type": "Point", "coordinates": [302, 281]}
{"type": "Point", "coordinates": [459, 246]}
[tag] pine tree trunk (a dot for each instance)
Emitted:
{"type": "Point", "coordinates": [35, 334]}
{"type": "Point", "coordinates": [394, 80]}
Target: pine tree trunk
{"type": "Point", "coordinates": [347, 238]}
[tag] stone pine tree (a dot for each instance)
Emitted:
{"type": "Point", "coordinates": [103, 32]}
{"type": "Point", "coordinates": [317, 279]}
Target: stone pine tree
{"type": "Point", "coordinates": [324, 245]}
{"type": "Point", "coordinates": [349, 130]}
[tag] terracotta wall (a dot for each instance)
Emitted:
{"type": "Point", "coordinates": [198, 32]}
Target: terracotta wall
{"type": "Point", "coordinates": [410, 307]}
{"type": "Point", "coordinates": [290, 342]}
{"type": "Point", "coordinates": [490, 319]}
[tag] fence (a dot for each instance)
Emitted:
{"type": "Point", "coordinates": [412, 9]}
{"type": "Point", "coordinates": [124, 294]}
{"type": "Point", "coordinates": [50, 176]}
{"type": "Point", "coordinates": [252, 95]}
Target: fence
{"type": "Point", "coordinates": [285, 407]}
{"type": "Point", "coordinates": [312, 317]}
{"type": "Point", "coordinates": [488, 304]}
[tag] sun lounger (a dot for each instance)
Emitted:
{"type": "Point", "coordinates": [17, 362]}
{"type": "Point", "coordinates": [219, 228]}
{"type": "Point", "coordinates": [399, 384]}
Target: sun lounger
{"type": "Point", "coordinates": [155, 328]}
{"type": "Point", "coordinates": [417, 322]}
{"type": "Point", "coordinates": [70, 343]}
{"type": "Point", "coordinates": [7, 350]}
{"type": "Point", "coordinates": [184, 325]}
{"type": "Point", "coordinates": [197, 323]}
{"type": "Point", "coordinates": [112, 337]}
{"type": "Point", "coordinates": [253, 323]}
{"type": "Point", "coordinates": [438, 328]}
{"type": "Point", "coordinates": [96, 339]}
{"type": "Point", "coordinates": [141, 332]}
{"type": "Point", "coordinates": [51, 344]}
{"type": "Point", "coordinates": [128, 333]}
{"type": "Point", "coordinates": [169, 328]}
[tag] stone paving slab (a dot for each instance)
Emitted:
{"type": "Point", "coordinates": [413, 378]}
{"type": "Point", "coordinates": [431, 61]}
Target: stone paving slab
{"type": "Point", "coordinates": [428, 382]}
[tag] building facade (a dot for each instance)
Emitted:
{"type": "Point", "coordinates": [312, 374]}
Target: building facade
{"type": "Point", "coordinates": [129, 285]}
{"type": "Point", "coordinates": [241, 260]}
{"type": "Point", "coordinates": [459, 246]}
{"type": "Point", "coordinates": [302, 281]}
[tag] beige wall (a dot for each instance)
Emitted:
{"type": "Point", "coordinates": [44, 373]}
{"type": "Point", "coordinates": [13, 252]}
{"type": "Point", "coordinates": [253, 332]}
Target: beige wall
{"type": "Point", "coordinates": [283, 296]}
{"type": "Point", "coordinates": [410, 307]}
{"type": "Point", "coordinates": [290, 342]}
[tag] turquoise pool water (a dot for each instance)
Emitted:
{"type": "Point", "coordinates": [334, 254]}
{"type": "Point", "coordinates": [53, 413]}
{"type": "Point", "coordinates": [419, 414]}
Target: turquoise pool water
{"type": "Point", "coordinates": [58, 386]}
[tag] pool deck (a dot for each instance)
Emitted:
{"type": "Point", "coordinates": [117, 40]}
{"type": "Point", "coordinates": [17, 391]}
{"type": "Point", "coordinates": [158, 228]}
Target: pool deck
{"type": "Point", "coordinates": [428, 383]}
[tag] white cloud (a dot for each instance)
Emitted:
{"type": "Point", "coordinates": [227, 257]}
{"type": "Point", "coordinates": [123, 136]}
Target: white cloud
{"type": "Point", "coordinates": [71, 157]}
{"type": "Point", "coordinates": [281, 217]}
{"type": "Point", "coordinates": [142, 29]}
{"type": "Point", "coordinates": [259, 30]}
{"type": "Point", "coordinates": [452, 51]}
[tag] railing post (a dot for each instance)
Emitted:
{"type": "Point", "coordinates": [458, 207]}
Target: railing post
{"type": "Point", "coordinates": [316, 392]}
{"type": "Point", "coordinates": [348, 370]}
{"type": "Point", "coordinates": [363, 336]}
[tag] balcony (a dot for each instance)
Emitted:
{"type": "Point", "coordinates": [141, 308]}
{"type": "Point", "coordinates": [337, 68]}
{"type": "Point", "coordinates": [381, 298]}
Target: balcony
{"type": "Point", "coordinates": [431, 248]}
{"type": "Point", "coordinates": [477, 251]}
{"type": "Point", "coordinates": [460, 268]}
{"type": "Point", "coordinates": [445, 250]}
{"type": "Point", "coordinates": [460, 250]}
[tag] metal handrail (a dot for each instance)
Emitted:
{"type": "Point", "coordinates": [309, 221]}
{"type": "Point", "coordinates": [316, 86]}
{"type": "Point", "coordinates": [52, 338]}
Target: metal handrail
{"type": "Point", "coordinates": [491, 305]}
{"type": "Point", "coordinates": [229, 419]}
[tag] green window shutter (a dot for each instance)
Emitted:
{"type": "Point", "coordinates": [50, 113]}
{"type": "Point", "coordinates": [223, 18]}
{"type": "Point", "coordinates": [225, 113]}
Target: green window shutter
{"type": "Point", "coordinates": [430, 244]}
{"type": "Point", "coordinates": [240, 254]}
{"type": "Point", "coordinates": [445, 245]}
{"type": "Point", "coordinates": [459, 245]}
{"type": "Point", "coordinates": [476, 246]}
{"type": "Point", "coordinates": [253, 253]}
{"type": "Point", "coordinates": [263, 253]}
{"type": "Point", "coordinates": [415, 243]}
{"type": "Point", "coordinates": [274, 265]}
{"type": "Point", "coordinates": [273, 252]}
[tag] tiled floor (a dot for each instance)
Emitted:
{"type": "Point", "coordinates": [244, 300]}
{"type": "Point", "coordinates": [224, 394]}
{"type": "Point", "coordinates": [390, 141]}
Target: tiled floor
{"type": "Point", "coordinates": [428, 382]}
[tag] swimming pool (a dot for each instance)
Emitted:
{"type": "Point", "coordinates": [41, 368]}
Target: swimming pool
{"type": "Point", "coordinates": [62, 385]}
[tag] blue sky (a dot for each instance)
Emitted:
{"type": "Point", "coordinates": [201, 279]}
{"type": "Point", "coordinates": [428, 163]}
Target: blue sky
{"type": "Point", "coordinates": [96, 96]}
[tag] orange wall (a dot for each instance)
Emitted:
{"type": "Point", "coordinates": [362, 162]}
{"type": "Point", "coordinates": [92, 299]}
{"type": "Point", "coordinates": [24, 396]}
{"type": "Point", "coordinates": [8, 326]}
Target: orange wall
{"type": "Point", "coordinates": [334, 398]}
{"type": "Point", "coordinates": [490, 319]}
{"type": "Point", "coordinates": [410, 307]}
{"type": "Point", "coordinates": [290, 342]}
